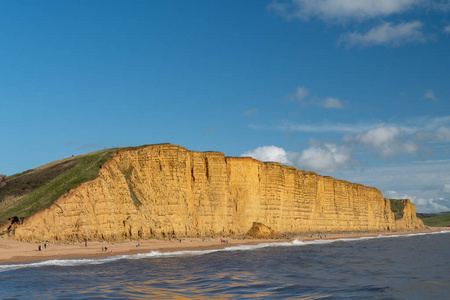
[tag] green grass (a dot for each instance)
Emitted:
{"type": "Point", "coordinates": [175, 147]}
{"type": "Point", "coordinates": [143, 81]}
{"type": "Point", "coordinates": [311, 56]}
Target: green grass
{"type": "Point", "coordinates": [440, 221]}
{"type": "Point", "coordinates": [397, 207]}
{"type": "Point", "coordinates": [30, 191]}
{"type": "Point", "coordinates": [127, 176]}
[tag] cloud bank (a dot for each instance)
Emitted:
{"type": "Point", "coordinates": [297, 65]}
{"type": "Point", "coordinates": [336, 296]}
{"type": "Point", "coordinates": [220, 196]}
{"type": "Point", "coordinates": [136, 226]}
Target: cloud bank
{"type": "Point", "coordinates": [381, 140]}
{"type": "Point", "coordinates": [386, 34]}
{"type": "Point", "coordinates": [333, 10]}
{"type": "Point", "coordinates": [327, 157]}
{"type": "Point", "coordinates": [377, 13]}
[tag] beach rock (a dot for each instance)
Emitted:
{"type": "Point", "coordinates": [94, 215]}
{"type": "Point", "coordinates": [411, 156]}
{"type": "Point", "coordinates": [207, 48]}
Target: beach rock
{"type": "Point", "coordinates": [261, 231]}
{"type": "Point", "coordinates": [165, 191]}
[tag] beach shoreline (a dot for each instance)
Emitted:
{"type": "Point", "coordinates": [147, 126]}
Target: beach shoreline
{"type": "Point", "coordinates": [12, 251]}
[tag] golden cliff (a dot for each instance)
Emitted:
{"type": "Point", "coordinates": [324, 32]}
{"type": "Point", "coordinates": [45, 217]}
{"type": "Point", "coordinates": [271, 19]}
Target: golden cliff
{"type": "Point", "coordinates": [166, 191]}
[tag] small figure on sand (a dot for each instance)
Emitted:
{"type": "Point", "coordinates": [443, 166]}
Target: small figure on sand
{"type": "Point", "coordinates": [39, 247]}
{"type": "Point", "coordinates": [85, 244]}
{"type": "Point", "coordinates": [106, 249]}
{"type": "Point", "coordinates": [45, 246]}
{"type": "Point", "coordinates": [103, 248]}
{"type": "Point", "coordinates": [138, 245]}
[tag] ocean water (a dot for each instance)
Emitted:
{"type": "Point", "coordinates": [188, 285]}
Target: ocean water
{"type": "Point", "coordinates": [414, 266]}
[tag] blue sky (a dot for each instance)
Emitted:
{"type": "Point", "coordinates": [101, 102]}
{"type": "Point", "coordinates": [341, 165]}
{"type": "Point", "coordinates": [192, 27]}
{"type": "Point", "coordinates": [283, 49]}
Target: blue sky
{"type": "Point", "coordinates": [358, 90]}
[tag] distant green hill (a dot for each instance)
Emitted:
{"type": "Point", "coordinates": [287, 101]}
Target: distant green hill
{"type": "Point", "coordinates": [24, 194]}
{"type": "Point", "coordinates": [439, 221]}
{"type": "Point", "coordinates": [429, 215]}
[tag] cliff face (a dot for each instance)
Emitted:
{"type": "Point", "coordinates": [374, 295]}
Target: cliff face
{"type": "Point", "coordinates": [410, 219]}
{"type": "Point", "coordinates": [167, 191]}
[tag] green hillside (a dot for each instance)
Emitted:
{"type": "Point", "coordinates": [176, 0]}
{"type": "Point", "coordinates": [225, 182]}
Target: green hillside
{"type": "Point", "coordinates": [397, 207]}
{"type": "Point", "coordinates": [26, 193]}
{"type": "Point", "coordinates": [439, 221]}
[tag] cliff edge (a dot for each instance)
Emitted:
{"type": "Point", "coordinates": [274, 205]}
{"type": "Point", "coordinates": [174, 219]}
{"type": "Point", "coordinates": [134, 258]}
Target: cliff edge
{"type": "Point", "coordinates": [166, 191]}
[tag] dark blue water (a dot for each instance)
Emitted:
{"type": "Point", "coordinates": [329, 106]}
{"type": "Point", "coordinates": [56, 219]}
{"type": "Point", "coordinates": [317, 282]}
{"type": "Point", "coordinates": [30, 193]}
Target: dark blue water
{"type": "Point", "coordinates": [403, 267]}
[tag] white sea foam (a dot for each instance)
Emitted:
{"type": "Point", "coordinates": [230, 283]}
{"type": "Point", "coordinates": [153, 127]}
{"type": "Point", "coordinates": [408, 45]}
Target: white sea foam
{"type": "Point", "coordinates": [157, 254]}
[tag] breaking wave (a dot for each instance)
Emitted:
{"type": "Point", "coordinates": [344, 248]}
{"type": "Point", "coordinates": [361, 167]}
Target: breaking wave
{"type": "Point", "coordinates": [157, 254]}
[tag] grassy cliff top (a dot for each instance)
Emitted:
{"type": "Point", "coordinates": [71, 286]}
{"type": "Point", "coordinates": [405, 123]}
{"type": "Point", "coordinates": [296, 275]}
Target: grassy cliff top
{"type": "Point", "coordinates": [28, 192]}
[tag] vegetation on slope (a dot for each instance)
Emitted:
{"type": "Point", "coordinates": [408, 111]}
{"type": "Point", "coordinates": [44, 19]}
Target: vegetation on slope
{"type": "Point", "coordinates": [26, 193]}
{"type": "Point", "coordinates": [439, 221]}
{"type": "Point", "coordinates": [397, 207]}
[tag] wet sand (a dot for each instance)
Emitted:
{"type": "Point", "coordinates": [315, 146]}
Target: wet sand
{"type": "Point", "coordinates": [12, 251]}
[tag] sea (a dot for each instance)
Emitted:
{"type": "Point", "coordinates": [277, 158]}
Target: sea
{"type": "Point", "coordinates": [414, 266]}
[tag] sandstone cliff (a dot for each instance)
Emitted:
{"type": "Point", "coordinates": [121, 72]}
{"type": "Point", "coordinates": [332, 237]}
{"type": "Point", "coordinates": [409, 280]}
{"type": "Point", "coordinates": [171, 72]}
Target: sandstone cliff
{"type": "Point", "coordinates": [166, 191]}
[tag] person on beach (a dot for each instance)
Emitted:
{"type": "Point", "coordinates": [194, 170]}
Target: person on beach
{"type": "Point", "coordinates": [45, 246]}
{"type": "Point", "coordinates": [103, 248]}
{"type": "Point", "coordinates": [85, 244]}
{"type": "Point", "coordinates": [39, 247]}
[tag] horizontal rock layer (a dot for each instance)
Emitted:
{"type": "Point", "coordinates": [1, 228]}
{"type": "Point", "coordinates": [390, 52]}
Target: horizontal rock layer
{"type": "Point", "coordinates": [167, 191]}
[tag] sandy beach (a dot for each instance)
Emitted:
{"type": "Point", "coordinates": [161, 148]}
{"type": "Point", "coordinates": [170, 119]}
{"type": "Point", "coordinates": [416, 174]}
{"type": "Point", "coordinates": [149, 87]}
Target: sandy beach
{"type": "Point", "coordinates": [12, 251]}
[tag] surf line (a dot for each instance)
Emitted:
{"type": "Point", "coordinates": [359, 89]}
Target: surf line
{"type": "Point", "coordinates": [157, 254]}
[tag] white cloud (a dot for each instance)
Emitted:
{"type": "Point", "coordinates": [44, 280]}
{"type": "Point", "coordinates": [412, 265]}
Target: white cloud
{"type": "Point", "coordinates": [250, 112]}
{"type": "Point", "coordinates": [431, 123]}
{"type": "Point", "coordinates": [340, 9]}
{"type": "Point", "coordinates": [447, 29]}
{"type": "Point", "coordinates": [386, 34]}
{"type": "Point", "coordinates": [379, 136]}
{"type": "Point", "coordinates": [442, 134]}
{"type": "Point", "coordinates": [327, 157]}
{"type": "Point", "coordinates": [387, 141]}
{"type": "Point", "coordinates": [446, 188]}
{"type": "Point", "coordinates": [442, 5]}
{"type": "Point", "coordinates": [430, 95]}
{"type": "Point", "coordinates": [331, 103]}
{"type": "Point", "coordinates": [299, 95]}
{"type": "Point", "coordinates": [268, 153]}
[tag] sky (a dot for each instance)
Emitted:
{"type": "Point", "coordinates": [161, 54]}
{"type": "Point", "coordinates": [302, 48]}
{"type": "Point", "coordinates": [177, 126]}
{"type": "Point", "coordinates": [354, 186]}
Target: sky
{"type": "Point", "coordinates": [357, 90]}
